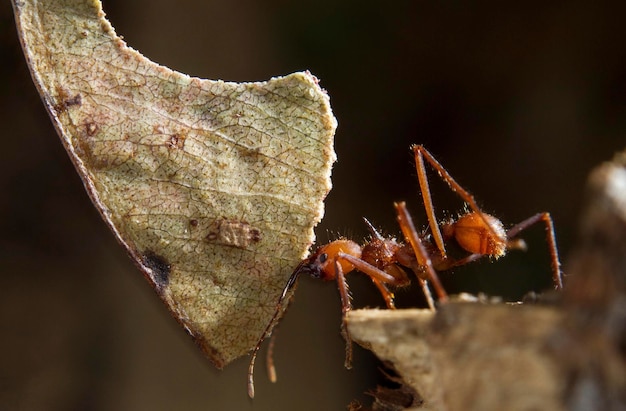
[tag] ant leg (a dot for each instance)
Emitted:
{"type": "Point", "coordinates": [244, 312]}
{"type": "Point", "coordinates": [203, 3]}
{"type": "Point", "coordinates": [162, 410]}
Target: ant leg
{"type": "Point", "coordinates": [346, 305]}
{"type": "Point", "coordinates": [408, 229]}
{"type": "Point", "coordinates": [427, 293]}
{"type": "Point", "coordinates": [421, 153]}
{"type": "Point", "coordinates": [427, 199]}
{"type": "Point", "coordinates": [368, 269]}
{"type": "Point", "coordinates": [384, 291]}
{"type": "Point", "coordinates": [388, 295]}
{"type": "Point", "coordinates": [379, 277]}
{"type": "Point", "coordinates": [461, 261]}
{"type": "Point", "coordinates": [268, 330]}
{"type": "Point", "coordinates": [557, 275]}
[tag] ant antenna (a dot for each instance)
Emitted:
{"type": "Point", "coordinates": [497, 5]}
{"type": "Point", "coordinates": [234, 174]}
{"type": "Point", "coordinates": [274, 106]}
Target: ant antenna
{"type": "Point", "coordinates": [268, 330]}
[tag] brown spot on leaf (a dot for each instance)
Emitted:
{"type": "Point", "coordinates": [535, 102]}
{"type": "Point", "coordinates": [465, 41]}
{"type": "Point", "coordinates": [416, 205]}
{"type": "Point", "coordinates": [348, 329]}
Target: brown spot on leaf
{"type": "Point", "coordinates": [91, 128]}
{"type": "Point", "coordinates": [65, 99]}
{"type": "Point", "coordinates": [176, 141]}
{"type": "Point", "coordinates": [233, 233]}
{"type": "Point", "coordinates": [77, 100]}
{"type": "Point", "coordinates": [159, 268]}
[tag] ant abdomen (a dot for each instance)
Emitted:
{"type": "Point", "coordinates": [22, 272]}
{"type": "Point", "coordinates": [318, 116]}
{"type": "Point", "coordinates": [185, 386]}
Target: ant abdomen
{"type": "Point", "coordinates": [478, 234]}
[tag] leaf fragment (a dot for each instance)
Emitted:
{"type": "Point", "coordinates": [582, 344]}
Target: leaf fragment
{"type": "Point", "coordinates": [213, 187]}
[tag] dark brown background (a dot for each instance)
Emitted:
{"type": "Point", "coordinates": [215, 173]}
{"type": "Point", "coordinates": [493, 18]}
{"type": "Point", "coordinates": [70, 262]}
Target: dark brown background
{"type": "Point", "coordinates": [519, 101]}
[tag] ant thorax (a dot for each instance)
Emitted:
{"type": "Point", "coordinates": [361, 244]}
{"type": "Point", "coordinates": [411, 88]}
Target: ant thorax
{"type": "Point", "coordinates": [385, 254]}
{"type": "Point", "coordinates": [380, 252]}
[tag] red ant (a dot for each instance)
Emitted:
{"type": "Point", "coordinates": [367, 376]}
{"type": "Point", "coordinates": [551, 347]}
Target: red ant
{"type": "Point", "coordinates": [384, 260]}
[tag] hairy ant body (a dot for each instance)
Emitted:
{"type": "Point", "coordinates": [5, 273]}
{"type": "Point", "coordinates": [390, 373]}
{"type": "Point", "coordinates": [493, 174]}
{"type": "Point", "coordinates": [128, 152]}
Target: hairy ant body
{"type": "Point", "coordinates": [384, 260]}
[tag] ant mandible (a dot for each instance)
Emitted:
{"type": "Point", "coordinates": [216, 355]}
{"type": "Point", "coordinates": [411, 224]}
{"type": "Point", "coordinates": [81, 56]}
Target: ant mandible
{"type": "Point", "coordinates": [384, 259]}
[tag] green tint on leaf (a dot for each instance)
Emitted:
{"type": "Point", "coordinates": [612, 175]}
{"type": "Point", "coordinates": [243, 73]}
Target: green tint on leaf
{"type": "Point", "coordinates": [213, 187]}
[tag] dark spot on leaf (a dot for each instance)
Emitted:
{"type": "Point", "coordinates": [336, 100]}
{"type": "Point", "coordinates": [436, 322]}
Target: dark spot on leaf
{"type": "Point", "coordinates": [255, 235]}
{"type": "Point", "coordinates": [176, 141]}
{"type": "Point", "coordinates": [173, 143]}
{"type": "Point", "coordinates": [159, 267]}
{"type": "Point", "coordinates": [193, 222]}
{"type": "Point", "coordinates": [91, 128]}
{"type": "Point", "coordinates": [65, 100]}
{"type": "Point", "coordinates": [77, 100]}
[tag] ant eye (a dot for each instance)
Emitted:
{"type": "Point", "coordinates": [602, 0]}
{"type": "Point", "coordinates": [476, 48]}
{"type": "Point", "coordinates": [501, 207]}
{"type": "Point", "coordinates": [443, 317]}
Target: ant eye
{"type": "Point", "coordinates": [323, 258]}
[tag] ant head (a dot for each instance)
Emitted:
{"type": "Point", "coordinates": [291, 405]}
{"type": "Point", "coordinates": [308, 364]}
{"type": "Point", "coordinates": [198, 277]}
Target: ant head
{"type": "Point", "coordinates": [322, 263]}
{"type": "Point", "coordinates": [314, 265]}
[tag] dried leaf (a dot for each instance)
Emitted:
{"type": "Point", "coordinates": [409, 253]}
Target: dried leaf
{"type": "Point", "coordinates": [468, 356]}
{"type": "Point", "coordinates": [213, 187]}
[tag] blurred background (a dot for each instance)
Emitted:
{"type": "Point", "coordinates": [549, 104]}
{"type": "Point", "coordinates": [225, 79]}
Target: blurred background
{"type": "Point", "coordinates": [519, 100]}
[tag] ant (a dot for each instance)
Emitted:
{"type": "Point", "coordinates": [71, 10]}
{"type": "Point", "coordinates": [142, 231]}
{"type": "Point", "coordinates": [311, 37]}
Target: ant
{"type": "Point", "coordinates": [385, 260]}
